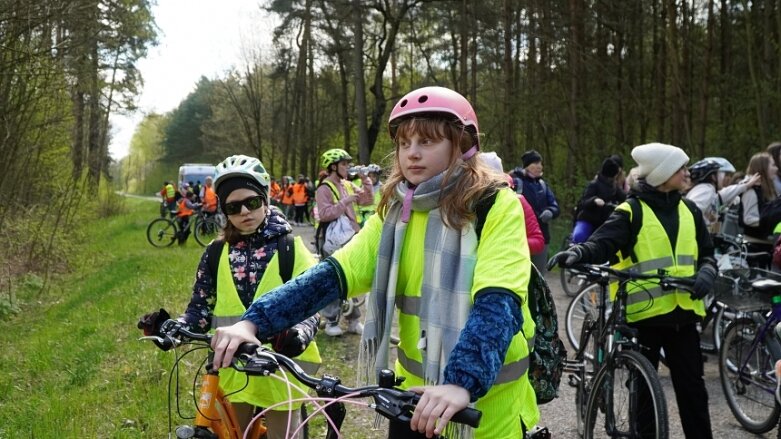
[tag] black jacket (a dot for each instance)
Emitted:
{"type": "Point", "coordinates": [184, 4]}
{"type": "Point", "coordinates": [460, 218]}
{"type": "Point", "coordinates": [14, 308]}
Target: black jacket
{"type": "Point", "coordinates": [604, 188]}
{"type": "Point", "coordinates": [616, 234]}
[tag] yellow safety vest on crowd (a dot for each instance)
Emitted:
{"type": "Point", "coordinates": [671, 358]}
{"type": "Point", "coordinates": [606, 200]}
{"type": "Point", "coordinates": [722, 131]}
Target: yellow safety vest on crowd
{"type": "Point", "coordinates": [260, 391]}
{"type": "Point", "coordinates": [169, 191]}
{"type": "Point", "coordinates": [653, 251]}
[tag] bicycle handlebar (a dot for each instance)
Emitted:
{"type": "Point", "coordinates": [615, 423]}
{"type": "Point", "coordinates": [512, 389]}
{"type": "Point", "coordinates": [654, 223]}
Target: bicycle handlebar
{"type": "Point", "coordinates": [595, 273]}
{"type": "Point", "coordinates": [389, 401]}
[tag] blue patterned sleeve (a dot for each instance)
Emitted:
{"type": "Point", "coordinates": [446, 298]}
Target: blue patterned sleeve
{"type": "Point", "coordinates": [199, 311]}
{"type": "Point", "coordinates": [296, 300]}
{"type": "Point", "coordinates": [477, 357]}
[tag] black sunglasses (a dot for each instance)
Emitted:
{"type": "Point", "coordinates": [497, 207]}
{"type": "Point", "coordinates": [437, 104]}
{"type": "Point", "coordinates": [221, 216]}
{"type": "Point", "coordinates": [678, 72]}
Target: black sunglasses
{"type": "Point", "coordinates": [252, 203]}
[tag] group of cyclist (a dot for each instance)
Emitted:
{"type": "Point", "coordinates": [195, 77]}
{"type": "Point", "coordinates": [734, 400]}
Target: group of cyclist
{"type": "Point", "coordinates": [460, 298]}
{"type": "Point", "coordinates": [183, 203]}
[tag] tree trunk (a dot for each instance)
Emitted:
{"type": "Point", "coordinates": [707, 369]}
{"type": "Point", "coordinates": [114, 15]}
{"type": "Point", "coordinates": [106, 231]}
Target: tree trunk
{"type": "Point", "coordinates": [364, 151]}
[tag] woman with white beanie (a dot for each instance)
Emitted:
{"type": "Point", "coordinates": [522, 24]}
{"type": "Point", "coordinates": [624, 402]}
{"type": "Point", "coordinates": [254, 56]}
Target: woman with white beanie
{"type": "Point", "coordinates": [656, 226]}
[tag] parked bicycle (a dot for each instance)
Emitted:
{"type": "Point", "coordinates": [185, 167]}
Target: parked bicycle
{"type": "Point", "coordinates": [731, 253]}
{"type": "Point", "coordinates": [616, 386]}
{"type": "Point", "coordinates": [163, 232]}
{"type": "Point", "coordinates": [750, 348]}
{"type": "Point", "coordinates": [214, 419]}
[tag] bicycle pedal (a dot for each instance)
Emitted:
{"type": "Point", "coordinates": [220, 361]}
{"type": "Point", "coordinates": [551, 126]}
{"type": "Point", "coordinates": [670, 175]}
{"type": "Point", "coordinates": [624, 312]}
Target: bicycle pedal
{"type": "Point", "coordinates": [538, 433]}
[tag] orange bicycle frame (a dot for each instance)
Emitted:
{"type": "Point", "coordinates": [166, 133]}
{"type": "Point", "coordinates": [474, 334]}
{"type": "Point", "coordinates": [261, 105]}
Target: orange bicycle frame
{"type": "Point", "coordinates": [216, 413]}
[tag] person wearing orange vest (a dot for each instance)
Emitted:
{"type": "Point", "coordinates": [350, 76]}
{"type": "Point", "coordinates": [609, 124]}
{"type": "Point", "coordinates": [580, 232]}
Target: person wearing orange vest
{"type": "Point", "coordinates": [287, 196]}
{"type": "Point", "coordinates": [275, 192]}
{"type": "Point", "coordinates": [186, 209]}
{"type": "Point", "coordinates": [300, 198]}
{"type": "Point", "coordinates": [208, 196]}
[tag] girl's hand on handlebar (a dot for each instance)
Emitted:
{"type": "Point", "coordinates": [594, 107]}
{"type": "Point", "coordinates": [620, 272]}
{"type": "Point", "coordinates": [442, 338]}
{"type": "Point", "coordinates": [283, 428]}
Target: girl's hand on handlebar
{"type": "Point", "coordinates": [227, 340]}
{"type": "Point", "coordinates": [436, 406]}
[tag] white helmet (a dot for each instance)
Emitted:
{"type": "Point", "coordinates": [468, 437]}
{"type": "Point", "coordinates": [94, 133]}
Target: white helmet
{"type": "Point", "coordinates": [241, 166]}
{"type": "Point", "coordinates": [724, 164]}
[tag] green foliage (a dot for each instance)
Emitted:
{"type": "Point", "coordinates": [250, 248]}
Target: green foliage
{"type": "Point", "coordinates": [72, 364]}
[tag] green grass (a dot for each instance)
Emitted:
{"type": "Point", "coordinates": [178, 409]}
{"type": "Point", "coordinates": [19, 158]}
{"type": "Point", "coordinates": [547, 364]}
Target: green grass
{"type": "Point", "coordinates": [72, 365]}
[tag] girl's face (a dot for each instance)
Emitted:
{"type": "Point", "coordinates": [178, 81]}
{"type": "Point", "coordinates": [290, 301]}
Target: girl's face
{"type": "Point", "coordinates": [422, 157]}
{"type": "Point", "coordinates": [342, 167]}
{"type": "Point", "coordinates": [247, 220]}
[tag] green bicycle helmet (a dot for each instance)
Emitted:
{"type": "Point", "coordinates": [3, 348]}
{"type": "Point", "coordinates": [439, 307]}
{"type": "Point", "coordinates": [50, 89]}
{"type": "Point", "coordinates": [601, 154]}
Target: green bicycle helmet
{"type": "Point", "coordinates": [332, 156]}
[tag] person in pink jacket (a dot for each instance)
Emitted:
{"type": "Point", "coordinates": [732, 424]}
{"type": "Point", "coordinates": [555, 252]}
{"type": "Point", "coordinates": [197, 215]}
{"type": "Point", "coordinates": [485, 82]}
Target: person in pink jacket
{"type": "Point", "coordinates": [533, 232]}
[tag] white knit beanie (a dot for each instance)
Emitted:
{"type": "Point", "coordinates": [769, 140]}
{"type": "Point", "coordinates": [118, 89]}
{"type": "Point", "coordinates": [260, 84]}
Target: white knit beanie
{"type": "Point", "coordinates": [492, 160]}
{"type": "Point", "coordinates": [658, 162]}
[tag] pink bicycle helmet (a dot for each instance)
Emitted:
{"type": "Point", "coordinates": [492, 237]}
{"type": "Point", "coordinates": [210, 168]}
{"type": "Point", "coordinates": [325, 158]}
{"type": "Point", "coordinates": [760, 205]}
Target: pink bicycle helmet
{"type": "Point", "coordinates": [433, 100]}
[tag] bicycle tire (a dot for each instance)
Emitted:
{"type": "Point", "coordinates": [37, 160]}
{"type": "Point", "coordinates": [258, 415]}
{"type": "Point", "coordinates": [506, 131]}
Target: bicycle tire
{"type": "Point", "coordinates": [615, 395]}
{"type": "Point", "coordinates": [585, 375]}
{"type": "Point", "coordinates": [749, 389]}
{"type": "Point", "coordinates": [584, 305]}
{"type": "Point", "coordinates": [161, 232]}
{"type": "Point", "coordinates": [206, 230]}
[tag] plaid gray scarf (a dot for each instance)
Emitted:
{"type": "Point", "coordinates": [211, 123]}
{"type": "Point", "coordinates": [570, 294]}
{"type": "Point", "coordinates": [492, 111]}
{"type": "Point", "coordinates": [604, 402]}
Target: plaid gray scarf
{"type": "Point", "coordinates": [450, 258]}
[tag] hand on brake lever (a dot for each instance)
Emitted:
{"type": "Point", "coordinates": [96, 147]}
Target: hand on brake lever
{"type": "Point", "coordinates": [226, 341]}
{"type": "Point", "coordinates": [436, 406]}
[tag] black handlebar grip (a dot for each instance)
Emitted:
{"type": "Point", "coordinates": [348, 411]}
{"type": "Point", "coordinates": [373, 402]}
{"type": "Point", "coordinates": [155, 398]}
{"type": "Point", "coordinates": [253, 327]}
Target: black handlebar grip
{"type": "Point", "coordinates": [468, 416]}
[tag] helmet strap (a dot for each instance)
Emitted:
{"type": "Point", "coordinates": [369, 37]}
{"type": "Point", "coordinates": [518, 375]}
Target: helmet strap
{"type": "Point", "coordinates": [469, 153]}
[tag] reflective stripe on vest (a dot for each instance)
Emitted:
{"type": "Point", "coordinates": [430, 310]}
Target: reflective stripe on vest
{"type": "Point", "coordinates": [508, 373]}
{"type": "Point", "coordinates": [411, 305]}
{"type": "Point", "coordinates": [653, 251]}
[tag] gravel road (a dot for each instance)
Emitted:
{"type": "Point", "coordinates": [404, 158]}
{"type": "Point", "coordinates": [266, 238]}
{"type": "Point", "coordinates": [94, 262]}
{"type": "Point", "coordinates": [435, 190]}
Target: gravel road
{"type": "Point", "coordinates": [558, 415]}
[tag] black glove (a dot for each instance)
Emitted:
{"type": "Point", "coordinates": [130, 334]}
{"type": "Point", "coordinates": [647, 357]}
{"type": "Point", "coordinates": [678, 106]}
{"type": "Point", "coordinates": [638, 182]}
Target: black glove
{"type": "Point", "coordinates": [293, 341]}
{"type": "Point", "coordinates": [703, 282]}
{"type": "Point", "coordinates": [566, 258]}
{"type": "Point", "coordinates": [289, 342]}
{"type": "Point", "coordinates": [151, 323]}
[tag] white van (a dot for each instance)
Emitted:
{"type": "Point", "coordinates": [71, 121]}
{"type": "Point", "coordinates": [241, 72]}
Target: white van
{"type": "Point", "coordinates": [195, 172]}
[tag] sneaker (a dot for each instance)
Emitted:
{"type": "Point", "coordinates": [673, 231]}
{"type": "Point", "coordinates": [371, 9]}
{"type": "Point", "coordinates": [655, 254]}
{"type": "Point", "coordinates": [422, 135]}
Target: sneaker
{"type": "Point", "coordinates": [355, 327]}
{"type": "Point", "coordinates": [333, 330]}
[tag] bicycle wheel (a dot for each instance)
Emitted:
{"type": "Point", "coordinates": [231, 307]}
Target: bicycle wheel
{"type": "Point", "coordinates": [624, 390]}
{"type": "Point", "coordinates": [161, 232]}
{"type": "Point", "coordinates": [585, 373]}
{"type": "Point", "coordinates": [206, 231]}
{"type": "Point", "coordinates": [584, 305]}
{"type": "Point", "coordinates": [747, 373]}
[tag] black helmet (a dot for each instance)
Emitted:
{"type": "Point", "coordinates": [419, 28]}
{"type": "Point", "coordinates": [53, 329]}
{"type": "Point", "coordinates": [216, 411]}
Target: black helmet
{"type": "Point", "coordinates": [702, 169]}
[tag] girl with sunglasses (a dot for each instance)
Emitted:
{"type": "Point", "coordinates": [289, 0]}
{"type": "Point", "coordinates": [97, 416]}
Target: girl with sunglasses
{"type": "Point", "coordinates": [248, 266]}
{"type": "Point", "coordinates": [461, 301]}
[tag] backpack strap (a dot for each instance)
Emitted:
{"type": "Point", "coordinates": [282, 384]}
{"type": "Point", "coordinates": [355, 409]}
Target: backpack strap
{"type": "Point", "coordinates": [286, 254]}
{"type": "Point", "coordinates": [285, 248]}
{"type": "Point", "coordinates": [332, 187]}
{"type": "Point", "coordinates": [482, 208]}
{"type": "Point", "coordinates": [214, 252]}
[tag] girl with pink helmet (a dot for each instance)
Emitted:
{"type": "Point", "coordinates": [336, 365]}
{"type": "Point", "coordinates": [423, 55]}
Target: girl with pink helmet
{"type": "Point", "coordinates": [460, 297]}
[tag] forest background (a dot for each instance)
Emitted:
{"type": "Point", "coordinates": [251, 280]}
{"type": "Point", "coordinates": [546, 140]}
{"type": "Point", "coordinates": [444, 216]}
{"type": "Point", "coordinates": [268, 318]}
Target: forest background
{"type": "Point", "coordinates": [575, 79]}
